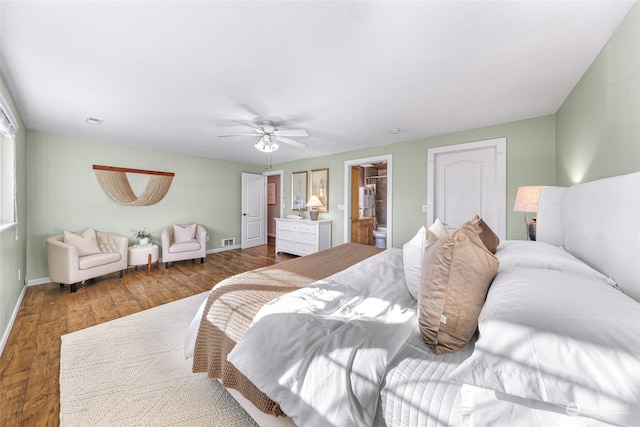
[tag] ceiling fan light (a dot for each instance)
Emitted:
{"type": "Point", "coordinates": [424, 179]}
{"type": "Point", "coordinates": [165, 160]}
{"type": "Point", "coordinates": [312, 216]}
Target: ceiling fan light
{"type": "Point", "coordinates": [266, 145]}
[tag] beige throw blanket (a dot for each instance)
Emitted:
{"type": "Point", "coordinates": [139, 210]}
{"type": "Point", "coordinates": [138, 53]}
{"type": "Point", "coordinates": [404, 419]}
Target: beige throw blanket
{"type": "Point", "coordinates": [234, 302]}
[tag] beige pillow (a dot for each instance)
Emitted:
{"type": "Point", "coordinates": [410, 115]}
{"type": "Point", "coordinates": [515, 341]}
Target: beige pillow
{"type": "Point", "coordinates": [488, 237]}
{"type": "Point", "coordinates": [86, 243]}
{"type": "Point", "coordinates": [184, 233]}
{"type": "Point", "coordinates": [456, 274]}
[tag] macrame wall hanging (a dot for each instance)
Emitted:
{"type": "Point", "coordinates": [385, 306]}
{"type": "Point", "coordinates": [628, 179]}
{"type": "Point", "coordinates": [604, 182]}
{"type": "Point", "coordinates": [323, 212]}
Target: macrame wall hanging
{"type": "Point", "coordinates": [115, 183]}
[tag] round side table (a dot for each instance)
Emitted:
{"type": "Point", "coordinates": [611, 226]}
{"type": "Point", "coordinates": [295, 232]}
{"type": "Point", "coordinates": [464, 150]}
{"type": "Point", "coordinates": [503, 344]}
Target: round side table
{"type": "Point", "coordinates": [143, 255]}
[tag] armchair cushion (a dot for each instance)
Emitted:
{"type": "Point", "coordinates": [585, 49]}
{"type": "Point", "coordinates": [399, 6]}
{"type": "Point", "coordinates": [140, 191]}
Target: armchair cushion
{"type": "Point", "coordinates": [96, 260]}
{"type": "Point", "coordinates": [189, 246]}
{"type": "Point", "coordinates": [86, 243]}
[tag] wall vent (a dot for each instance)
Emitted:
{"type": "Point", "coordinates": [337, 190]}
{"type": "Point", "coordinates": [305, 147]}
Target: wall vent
{"type": "Point", "coordinates": [228, 242]}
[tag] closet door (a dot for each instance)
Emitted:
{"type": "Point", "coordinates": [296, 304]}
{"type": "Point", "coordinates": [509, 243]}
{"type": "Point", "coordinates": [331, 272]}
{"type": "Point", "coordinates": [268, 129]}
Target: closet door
{"type": "Point", "coordinates": [468, 179]}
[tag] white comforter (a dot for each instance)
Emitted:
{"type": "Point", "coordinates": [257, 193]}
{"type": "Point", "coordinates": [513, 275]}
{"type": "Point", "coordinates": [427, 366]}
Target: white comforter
{"type": "Point", "coordinates": [322, 352]}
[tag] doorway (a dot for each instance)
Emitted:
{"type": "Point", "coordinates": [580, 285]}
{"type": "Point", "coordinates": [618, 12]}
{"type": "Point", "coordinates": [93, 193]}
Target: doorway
{"type": "Point", "coordinates": [368, 201]}
{"type": "Point", "coordinates": [275, 200]}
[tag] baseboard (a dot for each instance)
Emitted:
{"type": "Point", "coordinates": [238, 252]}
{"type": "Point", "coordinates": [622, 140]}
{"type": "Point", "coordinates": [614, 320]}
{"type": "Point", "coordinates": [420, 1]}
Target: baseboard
{"type": "Point", "coordinates": [42, 281]}
{"type": "Point", "coordinates": [228, 248]}
{"type": "Point", "coordinates": [5, 335]}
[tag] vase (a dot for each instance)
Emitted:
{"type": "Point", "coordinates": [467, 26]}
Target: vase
{"type": "Point", "coordinates": [143, 242]}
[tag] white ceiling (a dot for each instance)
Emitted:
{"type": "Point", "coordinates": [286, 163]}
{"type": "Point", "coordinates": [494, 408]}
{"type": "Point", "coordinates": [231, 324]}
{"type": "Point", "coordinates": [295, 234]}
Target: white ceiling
{"type": "Point", "coordinates": [173, 75]}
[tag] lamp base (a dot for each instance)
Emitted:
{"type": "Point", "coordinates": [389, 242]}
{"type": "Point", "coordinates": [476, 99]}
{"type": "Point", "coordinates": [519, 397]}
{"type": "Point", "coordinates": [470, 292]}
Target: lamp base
{"type": "Point", "coordinates": [313, 215]}
{"type": "Point", "coordinates": [532, 229]}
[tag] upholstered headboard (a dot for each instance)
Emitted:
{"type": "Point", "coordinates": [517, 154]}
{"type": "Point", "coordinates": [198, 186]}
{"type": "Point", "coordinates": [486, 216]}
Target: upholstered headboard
{"type": "Point", "coordinates": [598, 222]}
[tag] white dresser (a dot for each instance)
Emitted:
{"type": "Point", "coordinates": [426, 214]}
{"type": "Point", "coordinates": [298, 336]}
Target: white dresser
{"type": "Point", "coordinates": [302, 237]}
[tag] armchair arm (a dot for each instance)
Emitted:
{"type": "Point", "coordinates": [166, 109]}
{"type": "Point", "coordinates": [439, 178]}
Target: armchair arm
{"type": "Point", "coordinates": [62, 260]}
{"type": "Point", "coordinates": [166, 237]}
{"type": "Point", "coordinates": [201, 236]}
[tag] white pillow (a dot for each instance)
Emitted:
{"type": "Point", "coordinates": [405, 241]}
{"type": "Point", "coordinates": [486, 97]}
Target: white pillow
{"type": "Point", "coordinates": [86, 243]}
{"type": "Point", "coordinates": [184, 233]}
{"type": "Point", "coordinates": [527, 253]}
{"type": "Point", "coordinates": [439, 229]}
{"type": "Point", "coordinates": [561, 338]}
{"type": "Point", "coordinates": [412, 255]}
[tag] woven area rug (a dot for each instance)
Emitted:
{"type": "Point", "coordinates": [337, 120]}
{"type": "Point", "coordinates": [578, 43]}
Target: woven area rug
{"type": "Point", "coordinates": [132, 372]}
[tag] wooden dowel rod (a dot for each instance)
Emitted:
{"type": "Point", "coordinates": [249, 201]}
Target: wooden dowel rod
{"type": "Point", "coordinates": [146, 172]}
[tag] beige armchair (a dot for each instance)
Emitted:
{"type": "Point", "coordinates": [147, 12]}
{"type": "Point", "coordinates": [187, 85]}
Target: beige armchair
{"type": "Point", "coordinates": [182, 242]}
{"type": "Point", "coordinates": [70, 264]}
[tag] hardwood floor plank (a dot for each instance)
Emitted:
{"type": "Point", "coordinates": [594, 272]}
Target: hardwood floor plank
{"type": "Point", "coordinates": [30, 362]}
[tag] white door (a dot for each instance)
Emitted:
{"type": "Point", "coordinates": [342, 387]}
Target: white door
{"type": "Point", "coordinates": [468, 179]}
{"type": "Point", "coordinates": [253, 210]}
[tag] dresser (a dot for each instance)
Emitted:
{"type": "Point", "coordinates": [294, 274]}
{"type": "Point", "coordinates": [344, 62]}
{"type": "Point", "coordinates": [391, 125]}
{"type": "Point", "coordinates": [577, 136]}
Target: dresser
{"type": "Point", "coordinates": [302, 237]}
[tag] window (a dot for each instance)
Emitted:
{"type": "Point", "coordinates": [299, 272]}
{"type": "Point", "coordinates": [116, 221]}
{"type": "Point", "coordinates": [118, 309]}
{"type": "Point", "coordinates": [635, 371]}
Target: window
{"type": "Point", "coordinates": [8, 127]}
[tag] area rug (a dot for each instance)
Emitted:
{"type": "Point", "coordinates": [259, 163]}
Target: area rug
{"type": "Point", "coordinates": [132, 372]}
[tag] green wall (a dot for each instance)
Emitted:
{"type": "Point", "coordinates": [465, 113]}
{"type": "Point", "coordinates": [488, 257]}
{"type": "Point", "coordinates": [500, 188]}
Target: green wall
{"type": "Point", "coordinates": [64, 193]}
{"type": "Point", "coordinates": [530, 161]}
{"type": "Point", "coordinates": [13, 240]}
{"type": "Point", "coordinates": [598, 126]}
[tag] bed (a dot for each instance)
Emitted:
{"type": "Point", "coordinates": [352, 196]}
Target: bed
{"type": "Point", "coordinates": [555, 339]}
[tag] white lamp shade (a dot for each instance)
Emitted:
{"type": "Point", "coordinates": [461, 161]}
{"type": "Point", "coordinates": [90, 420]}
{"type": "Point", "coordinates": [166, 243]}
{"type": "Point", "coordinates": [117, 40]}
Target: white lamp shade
{"type": "Point", "coordinates": [314, 202]}
{"type": "Point", "coordinates": [527, 198]}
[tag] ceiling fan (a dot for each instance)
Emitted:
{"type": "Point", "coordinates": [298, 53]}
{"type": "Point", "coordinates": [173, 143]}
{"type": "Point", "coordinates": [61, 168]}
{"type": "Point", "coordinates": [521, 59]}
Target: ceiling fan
{"type": "Point", "coordinates": [269, 134]}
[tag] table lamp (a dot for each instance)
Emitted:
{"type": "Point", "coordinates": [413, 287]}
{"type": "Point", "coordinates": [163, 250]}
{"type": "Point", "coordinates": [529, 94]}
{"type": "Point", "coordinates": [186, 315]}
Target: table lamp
{"type": "Point", "coordinates": [527, 201]}
{"type": "Point", "coordinates": [313, 203]}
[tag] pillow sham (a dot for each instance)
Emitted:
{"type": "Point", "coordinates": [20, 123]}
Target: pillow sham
{"type": "Point", "coordinates": [561, 338]}
{"type": "Point", "coordinates": [412, 254]}
{"type": "Point", "coordinates": [526, 253]}
{"type": "Point", "coordinates": [456, 274]}
{"type": "Point", "coordinates": [488, 237]}
{"type": "Point", "coordinates": [85, 243]}
{"type": "Point", "coordinates": [184, 233]}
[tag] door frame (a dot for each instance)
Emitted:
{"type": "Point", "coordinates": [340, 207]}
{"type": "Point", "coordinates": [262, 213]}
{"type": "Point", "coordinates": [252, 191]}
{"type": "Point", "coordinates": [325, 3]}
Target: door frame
{"type": "Point", "coordinates": [347, 194]}
{"type": "Point", "coordinates": [500, 147]}
{"type": "Point", "coordinates": [279, 173]}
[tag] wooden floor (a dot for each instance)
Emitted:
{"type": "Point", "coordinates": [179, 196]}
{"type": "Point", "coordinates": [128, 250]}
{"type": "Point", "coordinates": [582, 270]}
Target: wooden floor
{"type": "Point", "coordinates": [30, 363]}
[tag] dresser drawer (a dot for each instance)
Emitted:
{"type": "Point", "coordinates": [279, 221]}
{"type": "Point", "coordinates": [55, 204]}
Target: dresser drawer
{"type": "Point", "coordinates": [305, 249]}
{"type": "Point", "coordinates": [283, 225]}
{"type": "Point", "coordinates": [286, 234]}
{"type": "Point", "coordinates": [304, 228]}
{"type": "Point", "coordinates": [286, 245]}
{"type": "Point", "coordinates": [306, 238]}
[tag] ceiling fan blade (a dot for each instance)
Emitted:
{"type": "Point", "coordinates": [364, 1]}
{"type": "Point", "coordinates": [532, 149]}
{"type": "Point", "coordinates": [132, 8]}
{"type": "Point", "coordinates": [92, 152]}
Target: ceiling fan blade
{"type": "Point", "coordinates": [240, 134]}
{"type": "Point", "coordinates": [251, 125]}
{"type": "Point", "coordinates": [291, 141]}
{"type": "Point", "coordinates": [291, 132]}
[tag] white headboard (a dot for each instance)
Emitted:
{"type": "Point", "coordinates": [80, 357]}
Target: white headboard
{"type": "Point", "coordinates": [598, 222]}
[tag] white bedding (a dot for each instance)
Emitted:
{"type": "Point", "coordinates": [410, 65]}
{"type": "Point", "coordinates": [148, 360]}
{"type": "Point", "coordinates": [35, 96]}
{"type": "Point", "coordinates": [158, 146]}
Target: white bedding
{"type": "Point", "coordinates": [416, 389]}
{"type": "Point", "coordinates": [322, 352]}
